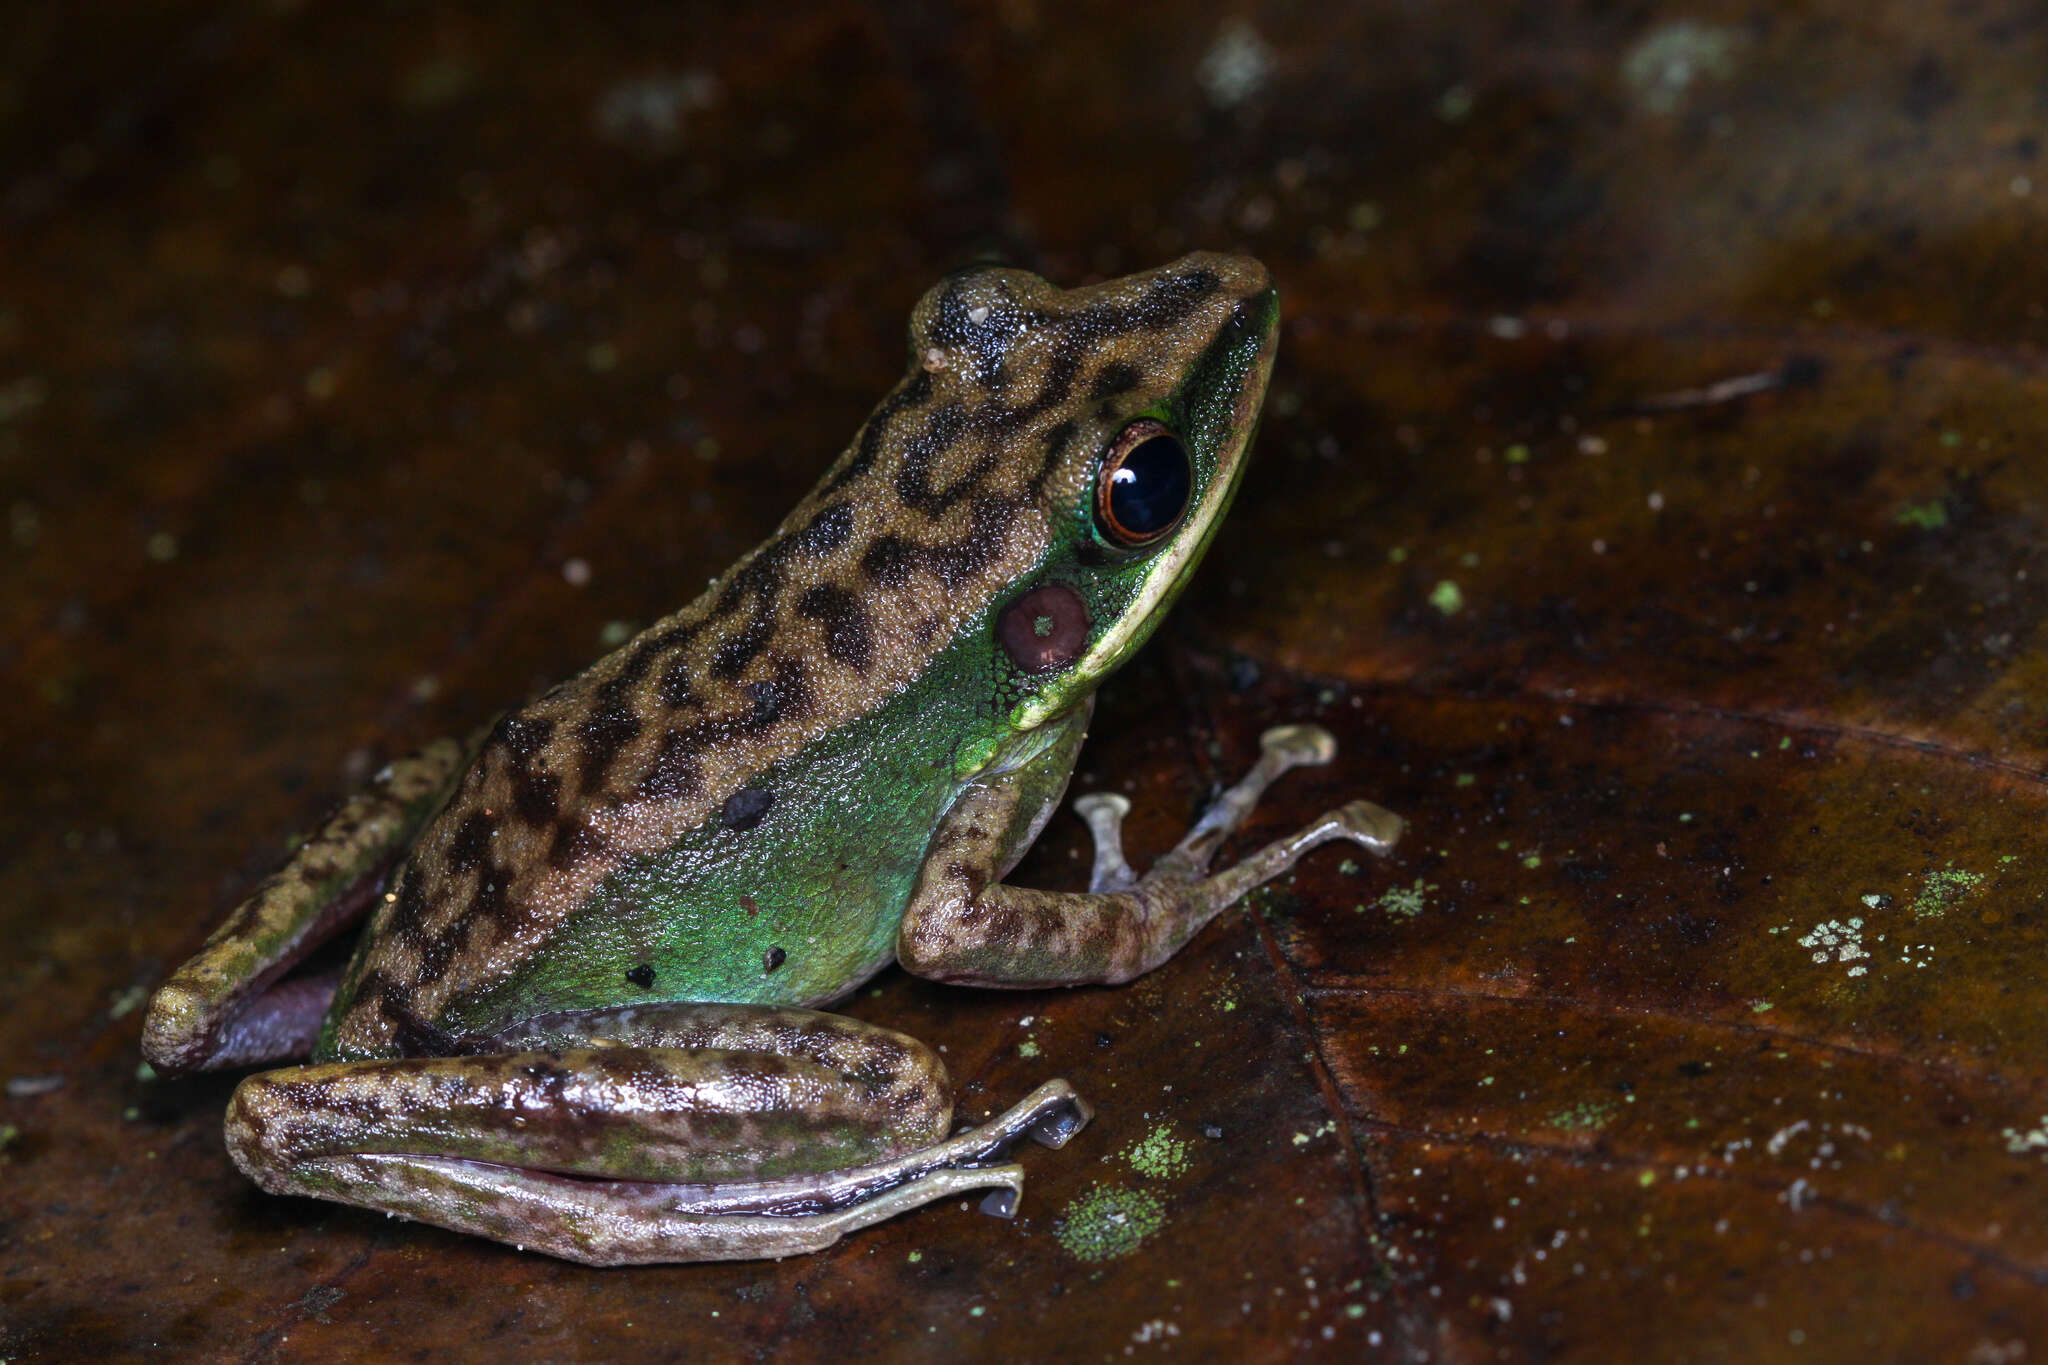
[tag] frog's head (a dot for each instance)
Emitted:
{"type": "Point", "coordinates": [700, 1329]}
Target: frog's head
{"type": "Point", "coordinates": [1128, 409]}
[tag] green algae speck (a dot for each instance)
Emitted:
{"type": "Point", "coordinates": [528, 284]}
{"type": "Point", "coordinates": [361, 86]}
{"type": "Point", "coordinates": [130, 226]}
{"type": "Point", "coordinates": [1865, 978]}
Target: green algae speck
{"type": "Point", "coordinates": [1108, 1222]}
{"type": "Point", "coordinates": [1406, 902]}
{"type": "Point", "coordinates": [1941, 890]}
{"type": "Point", "coordinates": [1924, 516]}
{"type": "Point", "coordinates": [1586, 1116]}
{"type": "Point", "coordinates": [1160, 1155]}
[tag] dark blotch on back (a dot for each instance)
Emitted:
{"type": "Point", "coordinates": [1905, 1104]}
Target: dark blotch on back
{"type": "Point", "coordinates": [574, 842]}
{"type": "Point", "coordinates": [471, 844]}
{"type": "Point", "coordinates": [602, 736]}
{"type": "Point", "coordinates": [522, 736]}
{"type": "Point", "coordinates": [537, 797]}
{"type": "Point", "coordinates": [674, 687]}
{"type": "Point", "coordinates": [772, 959]}
{"type": "Point", "coordinates": [847, 640]}
{"type": "Point", "coordinates": [744, 808]}
{"type": "Point", "coordinates": [642, 976]}
{"type": "Point", "coordinates": [827, 531]}
{"type": "Point", "coordinates": [888, 560]}
{"type": "Point", "coordinates": [987, 535]}
{"type": "Point", "coordinates": [676, 771]}
{"type": "Point", "coordinates": [1113, 379]}
{"type": "Point", "coordinates": [876, 431]}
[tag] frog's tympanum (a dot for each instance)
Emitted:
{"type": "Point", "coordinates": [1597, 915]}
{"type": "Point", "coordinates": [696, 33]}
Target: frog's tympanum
{"type": "Point", "coordinates": [580, 1016]}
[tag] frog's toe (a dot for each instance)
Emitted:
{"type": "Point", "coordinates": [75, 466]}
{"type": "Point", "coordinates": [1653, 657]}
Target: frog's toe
{"type": "Point", "coordinates": [1371, 825]}
{"type": "Point", "coordinates": [1299, 746]}
{"type": "Point", "coordinates": [1002, 1201]}
{"type": "Point", "coordinates": [1056, 1128]}
{"type": "Point", "coordinates": [1104, 812]}
{"type": "Point", "coordinates": [1106, 808]}
{"type": "Point", "coordinates": [1049, 1115]}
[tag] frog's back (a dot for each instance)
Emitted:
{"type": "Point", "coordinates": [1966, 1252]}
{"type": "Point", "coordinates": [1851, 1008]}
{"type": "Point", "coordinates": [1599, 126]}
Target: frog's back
{"type": "Point", "coordinates": [642, 795]}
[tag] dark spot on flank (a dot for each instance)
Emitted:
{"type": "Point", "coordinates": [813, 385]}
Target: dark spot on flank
{"type": "Point", "coordinates": [888, 561]}
{"type": "Point", "coordinates": [767, 704]}
{"type": "Point", "coordinates": [1045, 629]}
{"type": "Point", "coordinates": [744, 808]}
{"type": "Point", "coordinates": [827, 531]}
{"type": "Point", "coordinates": [750, 905]}
{"type": "Point", "coordinates": [642, 976]}
{"type": "Point", "coordinates": [846, 625]}
{"type": "Point", "coordinates": [772, 959]}
{"type": "Point", "coordinates": [1112, 379]}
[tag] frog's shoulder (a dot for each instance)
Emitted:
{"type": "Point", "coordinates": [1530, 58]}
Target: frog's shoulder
{"type": "Point", "coordinates": [944, 499]}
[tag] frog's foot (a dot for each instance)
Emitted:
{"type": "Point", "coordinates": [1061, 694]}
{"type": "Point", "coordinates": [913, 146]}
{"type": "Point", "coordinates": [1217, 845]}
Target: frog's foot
{"type": "Point", "coordinates": [1284, 747]}
{"type": "Point", "coordinates": [643, 1152]}
{"type": "Point", "coordinates": [964, 924]}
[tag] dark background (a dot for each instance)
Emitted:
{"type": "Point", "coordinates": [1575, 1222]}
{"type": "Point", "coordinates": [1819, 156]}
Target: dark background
{"type": "Point", "coordinates": [1650, 496]}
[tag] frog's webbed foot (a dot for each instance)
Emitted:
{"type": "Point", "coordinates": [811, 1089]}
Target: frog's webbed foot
{"type": "Point", "coordinates": [1282, 748]}
{"type": "Point", "coordinates": [650, 1134]}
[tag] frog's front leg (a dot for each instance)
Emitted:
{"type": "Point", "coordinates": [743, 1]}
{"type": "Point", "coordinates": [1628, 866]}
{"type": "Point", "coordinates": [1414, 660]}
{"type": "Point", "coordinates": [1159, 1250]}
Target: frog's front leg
{"type": "Point", "coordinates": [966, 926]}
{"type": "Point", "coordinates": [680, 1132]}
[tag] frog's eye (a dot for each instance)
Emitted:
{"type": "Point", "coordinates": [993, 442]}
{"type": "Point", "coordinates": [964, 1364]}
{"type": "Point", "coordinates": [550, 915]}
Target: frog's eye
{"type": "Point", "coordinates": [1142, 491]}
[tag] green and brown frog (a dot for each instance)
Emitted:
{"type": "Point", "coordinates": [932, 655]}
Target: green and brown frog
{"type": "Point", "coordinates": [581, 1014]}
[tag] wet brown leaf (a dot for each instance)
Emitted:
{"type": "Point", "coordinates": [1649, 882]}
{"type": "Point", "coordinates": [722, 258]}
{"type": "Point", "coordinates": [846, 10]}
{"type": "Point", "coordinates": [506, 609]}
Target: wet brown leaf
{"type": "Point", "coordinates": [1650, 498]}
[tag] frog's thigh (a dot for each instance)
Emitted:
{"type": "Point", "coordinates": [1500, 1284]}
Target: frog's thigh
{"type": "Point", "coordinates": [636, 1152]}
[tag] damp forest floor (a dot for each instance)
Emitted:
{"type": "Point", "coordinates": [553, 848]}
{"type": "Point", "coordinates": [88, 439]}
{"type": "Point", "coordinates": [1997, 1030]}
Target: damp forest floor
{"type": "Point", "coordinates": [1651, 498]}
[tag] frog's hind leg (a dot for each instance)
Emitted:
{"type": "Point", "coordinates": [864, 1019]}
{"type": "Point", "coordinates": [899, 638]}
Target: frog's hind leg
{"type": "Point", "coordinates": [228, 1005]}
{"type": "Point", "coordinates": [656, 1133]}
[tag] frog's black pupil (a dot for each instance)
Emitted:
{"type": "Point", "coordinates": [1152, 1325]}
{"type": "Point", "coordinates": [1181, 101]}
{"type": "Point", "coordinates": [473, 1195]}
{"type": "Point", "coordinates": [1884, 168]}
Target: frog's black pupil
{"type": "Point", "coordinates": [1149, 490]}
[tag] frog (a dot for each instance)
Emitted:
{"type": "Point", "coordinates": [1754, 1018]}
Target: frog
{"type": "Point", "coordinates": [585, 1012]}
